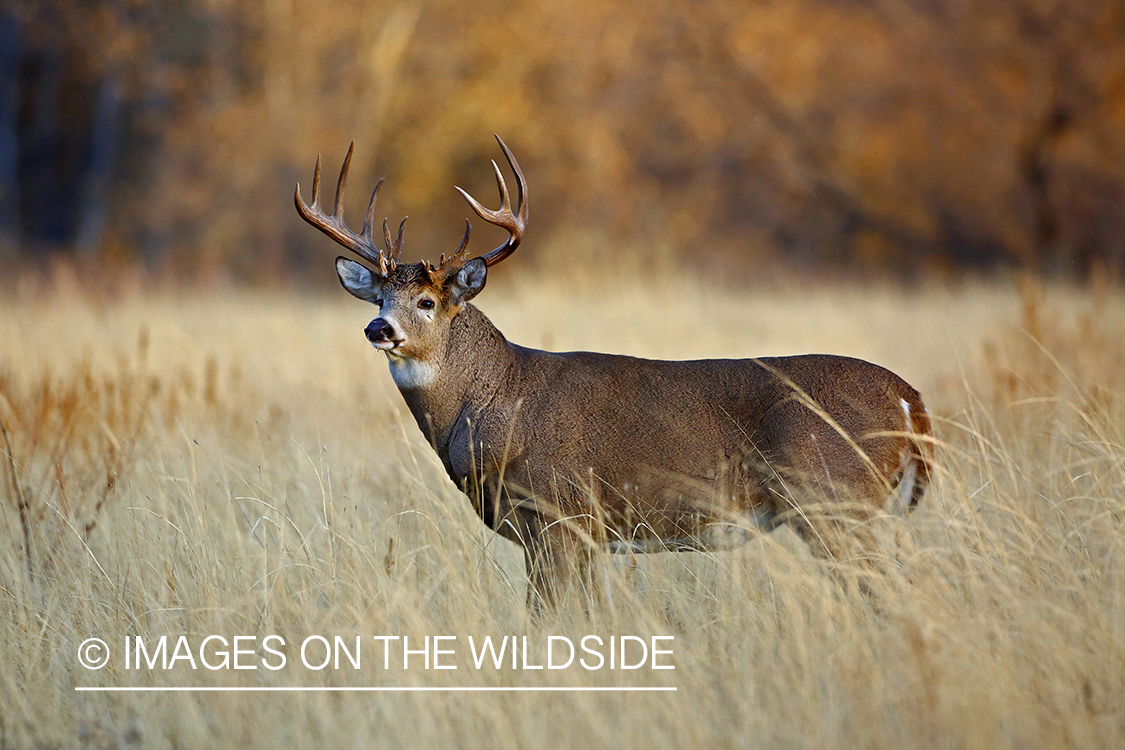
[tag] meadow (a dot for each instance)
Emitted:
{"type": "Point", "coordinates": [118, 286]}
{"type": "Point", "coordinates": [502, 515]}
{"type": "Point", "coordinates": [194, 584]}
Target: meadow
{"type": "Point", "coordinates": [238, 462]}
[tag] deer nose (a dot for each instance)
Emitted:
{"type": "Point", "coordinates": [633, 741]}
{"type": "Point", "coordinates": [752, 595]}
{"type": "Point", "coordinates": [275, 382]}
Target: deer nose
{"type": "Point", "coordinates": [378, 330]}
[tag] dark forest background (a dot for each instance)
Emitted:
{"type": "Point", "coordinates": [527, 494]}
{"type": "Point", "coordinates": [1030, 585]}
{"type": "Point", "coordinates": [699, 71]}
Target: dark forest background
{"type": "Point", "coordinates": [904, 137]}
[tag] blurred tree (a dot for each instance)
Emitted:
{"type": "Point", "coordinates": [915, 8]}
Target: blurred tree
{"type": "Point", "coordinates": [879, 135]}
{"type": "Point", "coordinates": [9, 137]}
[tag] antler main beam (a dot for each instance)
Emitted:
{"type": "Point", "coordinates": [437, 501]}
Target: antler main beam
{"type": "Point", "coordinates": [516, 222]}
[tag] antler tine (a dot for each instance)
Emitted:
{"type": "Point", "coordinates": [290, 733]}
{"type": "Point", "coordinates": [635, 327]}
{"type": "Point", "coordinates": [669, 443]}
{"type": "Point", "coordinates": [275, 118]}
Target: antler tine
{"type": "Point", "coordinates": [316, 185]}
{"type": "Point", "coordinates": [492, 217]}
{"type": "Point", "coordinates": [398, 240]}
{"type": "Point", "coordinates": [394, 247]}
{"type": "Point", "coordinates": [514, 223]}
{"type": "Point", "coordinates": [334, 226]}
{"type": "Point", "coordinates": [505, 200]}
{"type": "Point", "coordinates": [338, 203]}
{"type": "Point", "coordinates": [521, 183]}
{"type": "Point", "coordinates": [369, 217]}
{"type": "Point", "coordinates": [463, 250]}
{"type": "Point", "coordinates": [454, 262]}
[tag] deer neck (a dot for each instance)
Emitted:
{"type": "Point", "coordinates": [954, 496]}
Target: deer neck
{"type": "Point", "coordinates": [451, 385]}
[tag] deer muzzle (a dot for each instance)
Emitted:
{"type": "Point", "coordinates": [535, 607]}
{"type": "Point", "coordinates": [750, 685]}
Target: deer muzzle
{"type": "Point", "coordinates": [381, 334]}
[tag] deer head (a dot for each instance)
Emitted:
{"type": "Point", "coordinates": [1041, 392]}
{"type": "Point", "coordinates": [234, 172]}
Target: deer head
{"type": "Point", "coordinates": [417, 301]}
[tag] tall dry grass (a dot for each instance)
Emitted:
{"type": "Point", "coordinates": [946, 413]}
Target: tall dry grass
{"type": "Point", "coordinates": [240, 464]}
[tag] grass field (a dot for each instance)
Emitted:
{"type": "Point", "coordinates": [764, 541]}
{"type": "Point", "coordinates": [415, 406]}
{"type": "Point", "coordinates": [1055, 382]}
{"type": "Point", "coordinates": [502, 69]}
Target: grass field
{"type": "Point", "coordinates": [239, 464]}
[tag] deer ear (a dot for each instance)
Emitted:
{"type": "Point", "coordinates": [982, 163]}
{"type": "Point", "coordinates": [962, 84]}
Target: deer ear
{"type": "Point", "coordinates": [358, 280]}
{"type": "Point", "coordinates": [469, 281]}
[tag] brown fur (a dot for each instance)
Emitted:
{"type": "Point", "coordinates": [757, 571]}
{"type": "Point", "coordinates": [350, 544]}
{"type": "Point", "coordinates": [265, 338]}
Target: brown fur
{"type": "Point", "coordinates": [634, 450]}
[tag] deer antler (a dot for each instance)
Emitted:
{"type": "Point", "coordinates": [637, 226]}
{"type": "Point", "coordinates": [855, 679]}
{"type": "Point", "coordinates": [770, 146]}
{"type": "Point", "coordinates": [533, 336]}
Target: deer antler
{"type": "Point", "coordinates": [514, 223]}
{"type": "Point", "coordinates": [394, 247]}
{"type": "Point", "coordinates": [449, 266]}
{"type": "Point", "coordinates": [362, 244]}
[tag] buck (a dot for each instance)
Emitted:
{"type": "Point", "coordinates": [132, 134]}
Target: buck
{"type": "Point", "coordinates": [566, 453]}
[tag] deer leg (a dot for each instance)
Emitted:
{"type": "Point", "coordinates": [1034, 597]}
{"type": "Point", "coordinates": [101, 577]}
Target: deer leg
{"type": "Point", "coordinates": [842, 534]}
{"type": "Point", "coordinates": [558, 562]}
{"type": "Point", "coordinates": [837, 532]}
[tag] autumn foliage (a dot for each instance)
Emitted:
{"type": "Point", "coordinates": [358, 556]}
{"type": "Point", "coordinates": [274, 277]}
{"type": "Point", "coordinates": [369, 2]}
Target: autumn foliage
{"type": "Point", "coordinates": [908, 136]}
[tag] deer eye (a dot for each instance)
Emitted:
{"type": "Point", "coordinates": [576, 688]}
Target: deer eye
{"type": "Point", "coordinates": [426, 303]}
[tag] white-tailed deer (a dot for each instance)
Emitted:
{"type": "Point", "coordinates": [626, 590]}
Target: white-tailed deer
{"type": "Point", "coordinates": [568, 452]}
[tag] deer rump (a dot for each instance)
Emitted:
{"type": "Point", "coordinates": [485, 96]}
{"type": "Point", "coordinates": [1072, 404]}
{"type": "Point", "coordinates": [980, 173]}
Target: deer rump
{"type": "Point", "coordinates": [646, 455]}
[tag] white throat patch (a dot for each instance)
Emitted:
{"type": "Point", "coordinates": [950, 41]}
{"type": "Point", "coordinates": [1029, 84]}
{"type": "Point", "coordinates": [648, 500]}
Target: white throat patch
{"type": "Point", "coordinates": [412, 373]}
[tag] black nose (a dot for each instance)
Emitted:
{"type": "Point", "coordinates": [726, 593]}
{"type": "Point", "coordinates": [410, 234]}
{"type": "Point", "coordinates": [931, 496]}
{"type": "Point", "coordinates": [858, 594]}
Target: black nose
{"type": "Point", "coordinates": [378, 330]}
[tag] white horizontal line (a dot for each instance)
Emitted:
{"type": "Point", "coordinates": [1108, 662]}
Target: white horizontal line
{"type": "Point", "coordinates": [386, 689]}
